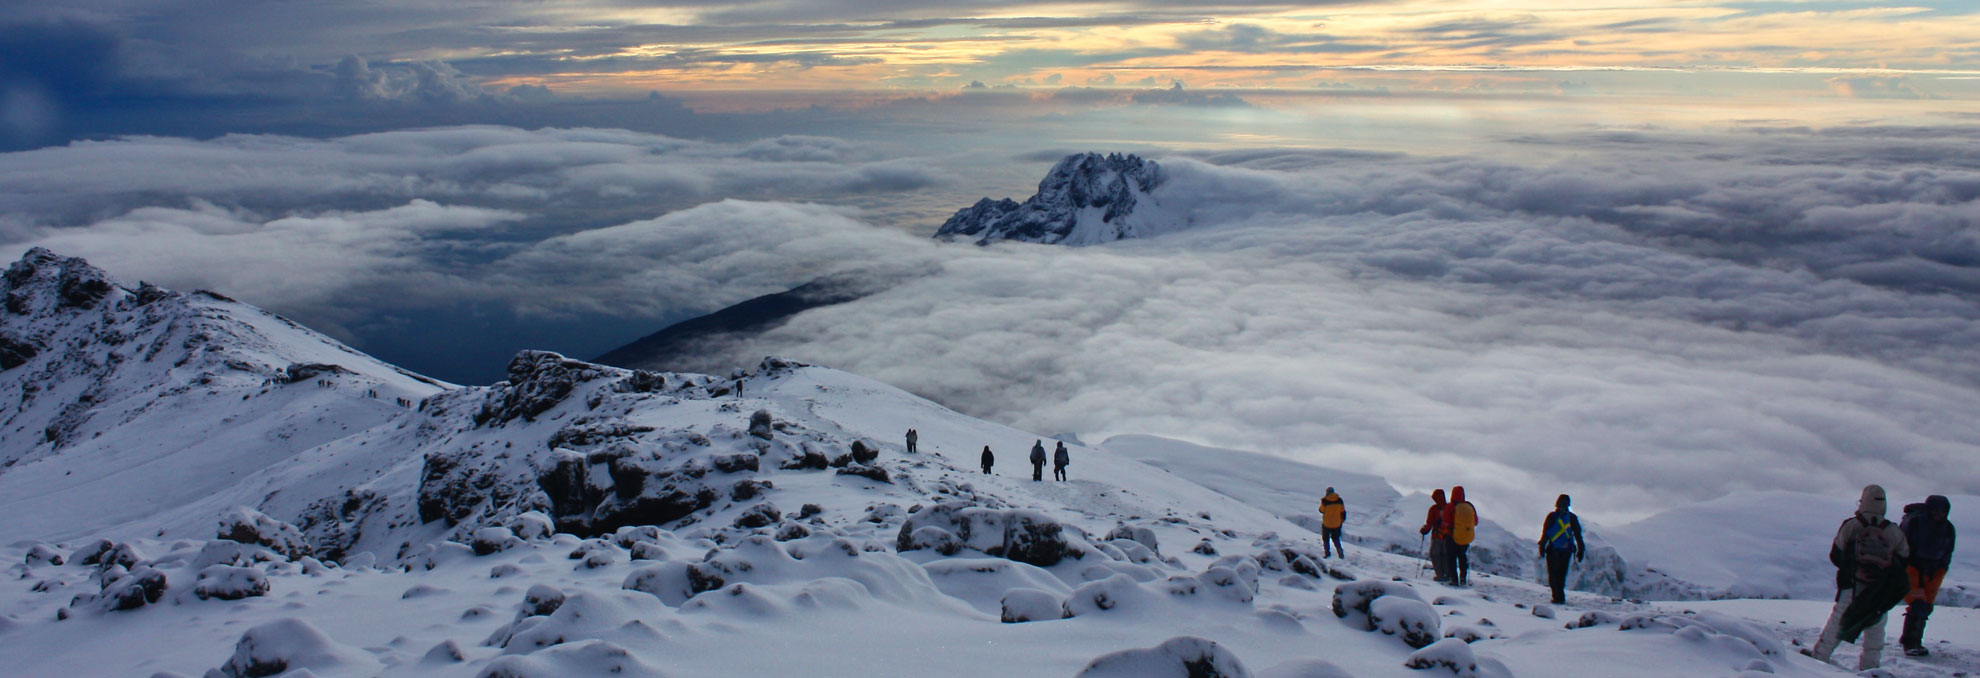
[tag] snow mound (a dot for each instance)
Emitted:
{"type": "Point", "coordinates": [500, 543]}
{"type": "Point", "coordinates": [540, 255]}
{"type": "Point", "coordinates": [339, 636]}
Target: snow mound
{"type": "Point", "coordinates": [588, 658]}
{"type": "Point", "coordinates": [1179, 657]}
{"type": "Point", "coordinates": [1025, 605]}
{"type": "Point", "coordinates": [226, 582]}
{"type": "Point", "coordinates": [1455, 656]}
{"type": "Point", "coordinates": [286, 645]}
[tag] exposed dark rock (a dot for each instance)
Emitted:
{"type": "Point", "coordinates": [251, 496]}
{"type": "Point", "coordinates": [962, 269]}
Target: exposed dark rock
{"type": "Point", "coordinates": [748, 489]}
{"type": "Point", "coordinates": [873, 473]}
{"type": "Point", "coordinates": [863, 453]}
{"type": "Point", "coordinates": [760, 515]}
{"type": "Point", "coordinates": [736, 463]}
{"type": "Point", "coordinates": [810, 460]}
{"type": "Point", "coordinates": [760, 425]}
{"type": "Point", "coordinates": [1078, 188]}
{"type": "Point", "coordinates": [538, 381]}
{"type": "Point", "coordinates": [138, 587]}
{"type": "Point", "coordinates": [15, 352]}
{"type": "Point", "coordinates": [296, 372]}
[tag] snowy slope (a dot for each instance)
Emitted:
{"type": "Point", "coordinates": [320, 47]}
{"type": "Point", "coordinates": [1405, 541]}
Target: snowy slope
{"type": "Point", "coordinates": [138, 401]}
{"type": "Point", "coordinates": [1767, 545]}
{"type": "Point", "coordinates": [766, 524]}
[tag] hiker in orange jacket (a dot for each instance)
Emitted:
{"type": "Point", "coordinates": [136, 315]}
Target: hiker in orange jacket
{"type": "Point", "coordinates": [1463, 519]}
{"type": "Point", "coordinates": [1438, 527]}
{"type": "Point", "coordinates": [1333, 514]}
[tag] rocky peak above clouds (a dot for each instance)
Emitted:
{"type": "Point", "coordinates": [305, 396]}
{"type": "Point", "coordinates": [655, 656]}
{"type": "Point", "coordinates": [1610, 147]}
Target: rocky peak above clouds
{"type": "Point", "coordinates": [1086, 199]}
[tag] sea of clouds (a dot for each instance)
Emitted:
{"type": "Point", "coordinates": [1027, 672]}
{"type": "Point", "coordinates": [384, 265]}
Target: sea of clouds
{"type": "Point", "coordinates": [1642, 319]}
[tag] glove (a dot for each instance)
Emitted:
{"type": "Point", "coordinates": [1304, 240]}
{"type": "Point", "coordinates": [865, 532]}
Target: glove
{"type": "Point", "coordinates": [1424, 530]}
{"type": "Point", "coordinates": [1578, 555]}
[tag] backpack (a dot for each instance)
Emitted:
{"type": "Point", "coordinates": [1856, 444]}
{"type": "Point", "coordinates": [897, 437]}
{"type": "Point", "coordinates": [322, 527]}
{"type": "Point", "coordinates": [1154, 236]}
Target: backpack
{"type": "Point", "coordinates": [1872, 550]}
{"type": "Point", "coordinates": [1464, 523]}
{"type": "Point", "coordinates": [1560, 531]}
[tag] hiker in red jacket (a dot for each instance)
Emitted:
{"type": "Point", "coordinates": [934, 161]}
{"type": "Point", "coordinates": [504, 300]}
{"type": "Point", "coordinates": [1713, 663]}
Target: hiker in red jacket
{"type": "Point", "coordinates": [1437, 525]}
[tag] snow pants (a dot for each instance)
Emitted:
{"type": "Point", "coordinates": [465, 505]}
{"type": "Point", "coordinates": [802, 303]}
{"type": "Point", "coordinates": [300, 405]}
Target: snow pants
{"type": "Point", "coordinates": [1330, 539]}
{"type": "Point", "coordinates": [1439, 558]}
{"type": "Point", "coordinates": [1037, 470]}
{"type": "Point", "coordinates": [1873, 637]}
{"type": "Point", "coordinates": [1924, 593]}
{"type": "Point", "coordinates": [1058, 471]}
{"type": "Point", "coordinates": [1557, 571]}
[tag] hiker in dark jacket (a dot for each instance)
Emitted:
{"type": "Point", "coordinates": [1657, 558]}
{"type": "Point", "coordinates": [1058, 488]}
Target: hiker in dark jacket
{"type": "Point", "coordinates": [1037, 460]}
{"type": "Point", "coordinates": [1060, 459]}
{"type": "Point", "coordinates": [1929, 533]}
{"type": "Point", "coordinates": [1560, 539]}
{"type": "Point", "coordinates": [1869, 553]}
{"type": "Point", "coordinates": [988, 459]}
{"type": "Point", "coordinates": [912, 438]}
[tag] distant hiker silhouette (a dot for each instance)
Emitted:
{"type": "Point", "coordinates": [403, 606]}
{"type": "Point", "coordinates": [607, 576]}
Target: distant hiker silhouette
{"type": "Point", "coordinates": [1464, 526]}
{"type": "Point", "coordinates": [1437, 525]}
{"type": "Point", "coordinates": [1333, 514]}
{"type": "Point", "coordinates": [1037, 460]}
{"type": "Point", "coordinates": [912, 437]}
{"type": "Point", "coordinates": [1869, 554]}
{"type": "Point", "coordinates": [1930, 535]}
{"type": "Point", "coordinates": [1060, 460]}
{"type": "Point", "coordinates": [1560, 539]}
{"type": "Point", "coordinates": [988, 459]}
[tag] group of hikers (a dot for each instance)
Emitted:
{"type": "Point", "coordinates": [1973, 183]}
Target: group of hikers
{"type": "Point", "coordinates": [1060, 457]}
{"type": "Point", "coordinates": [1878, 563]}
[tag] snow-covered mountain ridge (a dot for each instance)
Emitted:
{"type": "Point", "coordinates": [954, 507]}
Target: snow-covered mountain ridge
{"type": "Point", "coordinates": [578, 519]}
{"type": "Point", "coordinates": [1086, 199]}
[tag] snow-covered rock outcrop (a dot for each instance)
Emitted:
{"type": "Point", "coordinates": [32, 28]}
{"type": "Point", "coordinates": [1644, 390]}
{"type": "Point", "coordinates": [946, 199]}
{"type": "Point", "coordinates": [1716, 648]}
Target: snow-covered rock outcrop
{"type": "Point", "coordinates": [1086, 199]}
{"type": "Point", "coordinates": [121, 404]}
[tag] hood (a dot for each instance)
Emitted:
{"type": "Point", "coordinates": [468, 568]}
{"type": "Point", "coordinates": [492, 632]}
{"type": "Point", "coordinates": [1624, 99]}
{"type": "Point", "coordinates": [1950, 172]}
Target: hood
{"type": "Point", "coordinates": [1330, 495]}
{"type": "Point", "coordinates": [1938, 506]}
{"type": "Point", "coordinates": [1437, 497]}
{"type": "Point", "coordinates": [1457, 494]}
{"type": "Point", "coordinates": [1872, 504]}
{"type": "Point", "coordinates": [1562, 502]}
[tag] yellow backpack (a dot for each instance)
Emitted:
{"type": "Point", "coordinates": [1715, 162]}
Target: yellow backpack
{"type": "Point", "coordinates": [1464, 526]}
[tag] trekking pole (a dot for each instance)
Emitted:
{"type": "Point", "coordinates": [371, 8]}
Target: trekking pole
{"type": "Point", "coordinates": [1423, 548]}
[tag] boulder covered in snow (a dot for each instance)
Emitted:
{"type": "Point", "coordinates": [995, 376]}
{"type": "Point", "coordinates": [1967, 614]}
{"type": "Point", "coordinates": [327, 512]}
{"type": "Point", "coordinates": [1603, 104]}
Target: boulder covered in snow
{"type": "Point", "coordinates": [1024, 536]}
{"type": "Point", "coordinates": [1179, 657]}
{"type": "Point", "coordinates": [226, 582]}
{"type": "Point", "coordinates": [290, 644]}
{"type": "Point", "coordinates": [1024, 605]}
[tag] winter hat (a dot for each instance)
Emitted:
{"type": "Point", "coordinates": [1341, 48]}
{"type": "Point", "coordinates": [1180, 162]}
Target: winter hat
{"type": "Point", "coordinates": [1561, 503]}
{"type": "Point", "coordinates": [1457, 494]}
{"type": "Point", "coordinates": [1330, 490]}
{"type": "Point", "coordinates": [1872, 503]}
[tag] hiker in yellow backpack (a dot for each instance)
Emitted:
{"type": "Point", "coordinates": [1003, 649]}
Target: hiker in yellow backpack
{"type": "Point", "coordinates": [1464, 527]}
{"type": "Point", "coordinates": [1333, 514]}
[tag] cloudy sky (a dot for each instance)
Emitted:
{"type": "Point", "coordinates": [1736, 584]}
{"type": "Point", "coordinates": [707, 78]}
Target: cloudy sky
{"type": "Point", "coordinates": [1644, 252]}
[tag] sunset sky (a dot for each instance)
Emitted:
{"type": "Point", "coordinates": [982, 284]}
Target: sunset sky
{"type": "Point", "coordinates": [108, 58]}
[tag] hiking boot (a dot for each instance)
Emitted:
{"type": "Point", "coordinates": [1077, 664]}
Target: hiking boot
{"type": "Point", "coordinates": [1917, 652]}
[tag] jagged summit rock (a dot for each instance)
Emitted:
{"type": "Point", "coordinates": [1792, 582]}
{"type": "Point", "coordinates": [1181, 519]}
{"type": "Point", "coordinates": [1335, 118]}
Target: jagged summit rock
{"type": "Point", "coordinates": [1086, 199]}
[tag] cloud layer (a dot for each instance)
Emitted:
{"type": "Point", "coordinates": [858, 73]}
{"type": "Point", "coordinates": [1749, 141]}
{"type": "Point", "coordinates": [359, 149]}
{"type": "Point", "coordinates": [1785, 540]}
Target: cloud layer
{"type": "Point", "coordinates": [1639, 317]}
